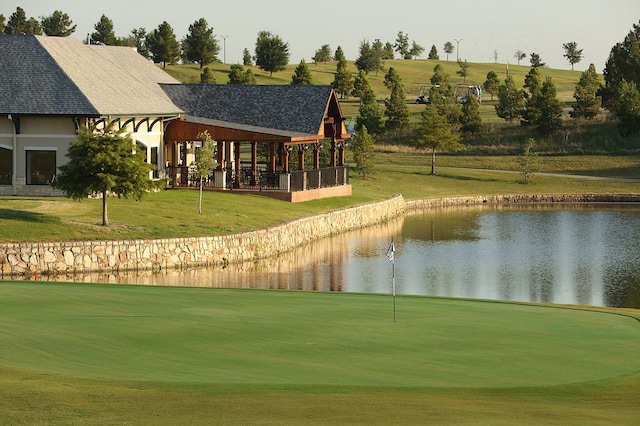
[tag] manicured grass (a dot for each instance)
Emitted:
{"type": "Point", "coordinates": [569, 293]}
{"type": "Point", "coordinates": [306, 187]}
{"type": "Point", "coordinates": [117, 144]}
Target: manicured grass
{"type": "Point", "coordinates": [101, 354]}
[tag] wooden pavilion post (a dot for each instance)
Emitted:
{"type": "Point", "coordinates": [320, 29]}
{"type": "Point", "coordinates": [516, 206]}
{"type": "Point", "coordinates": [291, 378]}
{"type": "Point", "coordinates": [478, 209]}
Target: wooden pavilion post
{"type": "Point", "coordinates": [220, 155]}
{"type": "Point", "coordinates": [254, 163]}
{"type": "Point", "coordinates": [316, 155]}
{"type": "Point", "coordinates": [237, 183]}
{"type": "Point", "coordinates": [272, 157]}
{"type": "Point", "coordinates": [301, 157]}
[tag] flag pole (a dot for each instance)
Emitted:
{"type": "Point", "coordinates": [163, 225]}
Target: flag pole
{"type": "Point", "coordinates": [392, 258]}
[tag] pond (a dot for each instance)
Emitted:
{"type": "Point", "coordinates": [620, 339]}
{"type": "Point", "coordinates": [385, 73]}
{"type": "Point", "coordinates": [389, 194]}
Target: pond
{"type": "Point", "coordinates": [579, 254]}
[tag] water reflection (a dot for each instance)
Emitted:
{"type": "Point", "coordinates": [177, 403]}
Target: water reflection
{"type": "Point", "coordinates": [574, 255]}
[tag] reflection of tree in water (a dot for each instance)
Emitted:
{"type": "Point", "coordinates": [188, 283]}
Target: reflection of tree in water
{"type": "Point", "coordinates": [622, 284]}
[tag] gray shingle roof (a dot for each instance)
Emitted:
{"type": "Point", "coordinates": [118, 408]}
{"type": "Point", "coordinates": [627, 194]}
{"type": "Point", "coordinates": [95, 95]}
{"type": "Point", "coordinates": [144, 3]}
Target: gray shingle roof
{"type": "Point", "coordinates": [293, 109]}
{"type": "Point", "coordinates": [62, 76]}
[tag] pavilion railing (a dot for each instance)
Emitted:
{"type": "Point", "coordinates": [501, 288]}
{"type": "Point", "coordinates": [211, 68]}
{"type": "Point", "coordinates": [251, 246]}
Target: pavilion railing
{"type": "Point", "coordinates": [319, 178]}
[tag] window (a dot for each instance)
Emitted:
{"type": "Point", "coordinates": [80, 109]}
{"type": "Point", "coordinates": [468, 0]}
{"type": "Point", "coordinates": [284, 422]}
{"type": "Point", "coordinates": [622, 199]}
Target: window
{"type": "Point", "coordinates": [6, 166]}
{"type": "Point", "coordinates": [41, 167]}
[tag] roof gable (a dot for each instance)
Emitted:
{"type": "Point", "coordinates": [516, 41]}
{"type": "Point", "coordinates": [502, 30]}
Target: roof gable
{"type": "Point", "coordinates": [294, 109]}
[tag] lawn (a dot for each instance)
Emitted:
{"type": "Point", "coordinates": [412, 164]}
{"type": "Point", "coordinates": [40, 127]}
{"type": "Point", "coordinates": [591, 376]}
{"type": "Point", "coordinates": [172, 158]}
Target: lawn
{"type": "Point", "coordinates": [102, 354]}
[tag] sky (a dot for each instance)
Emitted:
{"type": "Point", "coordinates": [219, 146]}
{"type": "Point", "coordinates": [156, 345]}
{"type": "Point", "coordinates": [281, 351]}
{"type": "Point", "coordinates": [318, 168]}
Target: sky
{"type": "Point", "coordinates": [478, 28]}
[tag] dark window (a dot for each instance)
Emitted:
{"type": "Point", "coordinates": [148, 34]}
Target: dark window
{"type": "Point", "coordinates": [6, 166]}
{"type": "Point", "coordinates": [41, 167]}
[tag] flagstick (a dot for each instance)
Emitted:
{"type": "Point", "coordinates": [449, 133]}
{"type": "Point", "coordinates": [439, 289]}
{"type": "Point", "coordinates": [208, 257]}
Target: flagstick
{"type": "Point", "coordinates": [393, 281]}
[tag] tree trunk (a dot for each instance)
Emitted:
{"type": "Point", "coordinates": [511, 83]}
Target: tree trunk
{"type": "Point", "coordinates": [105, 217]}
{"type": "Point", "coordinates": [200, 200]}
{"type": "Point", "coordinates": [433, 160]}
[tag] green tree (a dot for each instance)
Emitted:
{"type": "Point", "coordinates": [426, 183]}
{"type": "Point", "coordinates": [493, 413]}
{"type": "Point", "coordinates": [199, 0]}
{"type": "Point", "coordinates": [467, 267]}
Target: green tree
{"type": "Point", "coordinates": [272, 53]}
{"type": "Point", "coordinates": [464, 70]}
{"type": "Point", "coordinates": [360, 85]}
{"type": "Point", "coordinates": [470, 120]}
{"type": "Point", "coordinates": [17, 22]}
{"type": "Point", "coordinates": [402, 45]}
{"type": "Point", "coordinates": [139, 37]}
{"type": "Point", "coordinates": [2, 22]}
{"type": "Point", "coordinates": [435, 133]}
{"type": "Point", "coordinates": [572, 53]}
{"type": "Point", "coordinates": [547, 109]}
{"type": "Point", "coordinates": [368, 60]}
{"type": "Point", "coordinates": [527, 161]}
{"type": "Point", "coordinates": [239, 75]}
{"type": "Point", "coordinates": [448, 49]}
{"type": "Point", "coordinates": [531, 111]}
{"type": "Point", "coordinates": [364, 153]}
{"type": "Point", "coordinates": [397, 112]}
{"type": "Point", "coordinates": [206, 76]}
{"type": "Point", "coordinates": [378, 52]}
{"type": "Point", "coordinates": [163, 45]}
{"type": "Point", "coordinates": [302, 74]}
{"type": "Point", "coordinates": [433, 53]}
{"type": "Point", "coordinates": [199, 45]}
{"type": "Point", "coordinates": [519, 55]}
{"type": "Point", "coordinates": [536, 61]}
{"type": "Point", "coordinates": [626, 106]}
{"type": "Point", "coordinates": [588, 102]}
{"type": "Point", "coordinates": [204, 162]}
{"type": "Point", "coordinates": [439, 77]}
{"type": "Point", "coordinates": [491, 84]}
{"type": "Point", "coordinates": [387, 51]}
{"type": "Point", "coordinates": [343, 80]}
{"type": "Point", "coordinates": [339, 54]}
{"type": "Point", "coordinates": [247, 60]}
{"type": "Point", "coordinates": [416, 50]}
{"type": "Point", "coordinates": [57, 24]}
{"type": "Point", "coordinates": [323, 54]}
{"type": "Point", "coordinates": [371, 114]}
{"type": "Point", "coordinates": [623, 64]}
{"type": "Point", "coordinates": [104, 33]}
{"type": "Point", "coordinates": [391, 78]}
{"type": "Point", "coordinates": [105, 162]}
{"type": "Point", "coordinates": [510, 100]}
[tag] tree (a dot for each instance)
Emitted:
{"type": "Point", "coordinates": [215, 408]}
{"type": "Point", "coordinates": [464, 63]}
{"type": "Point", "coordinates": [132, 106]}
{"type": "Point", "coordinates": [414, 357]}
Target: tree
{"type": "Point", "coordinates": [391, 78]}
{"type": "Point", "coordinates": [163, 45]}
{"type": "Point", "coordinates": [239, 75]}
{"type": "Point", "coordinates": [199, 45]}
{"type": "Point", "coordinates": [104, 162]}
{"type": "Point", "coordinates": [520, 55]}
{"type": "Point", "coordinates": [397, 112]}
{"type": "Point", "coordinates": [272, 53]}
{"type": "Point", "coordinates": [139, 37]}
{"type": "Point", "coordinates": [510, 100]}
{"type": "Point", "coordinates": [363, 152]}
{"type": "Point", "coordinates": [2, 22]}
{"type": "Point", "coordinates": [343, 80]}
{"type": "Point", "coordinates": [302, 74]}
{"type": "Point", "coordinates": [402, 45]}
{"type": "Point", "coordinates": [533, 84]}
{"type": "Point", "coordinates": [378, 53]}
{"type": "Point", "coordinates": [247, 60]}
{"type": "Point", "coordinates": [536, 61]}
{"type": "Point", "coordinates": [588, 102]}
{"type": "Point", "coordinates": [626, 106]}
{"type": "Point", "coordinates": [416, 50]}
{"type": "Point", "coordinates": [57, 24]}
{"type": "Point", "coordinates": [527, 160]}
{"type": "Point", "coordinates": [464, 70]}
{"type": "Point", "coordinates": [387, 51]}
{"type": "Point", "coordinates": [371, 115]}
{"type": "Point", "coordinates": [448, 49]}
{"type": "Point", "coordinates": [435, 133]}
{"type": "Point", "coordinates": [623, 64]}
{"type": "Point", "coordinates": [323, 54]}
{"type": "Point", "coordinates": [543, 109]}
{"type": "Point", "coordinates": [204, 162]}
{"type": "Point", "coordinates": [491, 84]}
{"type": "Point", "coordinates": [339, 54]}
{"type": "Point", "coordinates": [572, 53]}
{"type": "Point", "coordinates": [19, 24]}
{"type": "Point", "coordinates": [206, 76]}
{"type": "Point", "coordinates": [433, 53]}
{"type": "Point", "coordinates": [104, 33]}
{"type": "Point", "coordinates": [470, 120]}
{"type": "Point", "coordinates": [439, 77]}
{"type": "Point", "coordinates": [360, 85]}
{"type": "Point", "coordinates": [367, 61]}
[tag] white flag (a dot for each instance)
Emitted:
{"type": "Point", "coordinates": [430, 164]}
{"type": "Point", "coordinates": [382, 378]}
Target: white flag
{"type": "Point", "coordinates": [390, 251]}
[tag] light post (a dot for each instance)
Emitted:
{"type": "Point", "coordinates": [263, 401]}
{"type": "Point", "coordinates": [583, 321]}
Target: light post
{"type": "Point", "coordinates": [457, 48]}
{"type": "Point", "coordinates": [224, 48]}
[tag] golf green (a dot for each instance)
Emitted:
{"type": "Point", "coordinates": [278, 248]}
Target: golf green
{"type": "Point", "coordinates": [218, 336]}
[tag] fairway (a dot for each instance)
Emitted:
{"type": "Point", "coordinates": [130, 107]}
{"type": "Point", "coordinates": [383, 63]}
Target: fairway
{"type": "Point", "coordinates": [273, 337]}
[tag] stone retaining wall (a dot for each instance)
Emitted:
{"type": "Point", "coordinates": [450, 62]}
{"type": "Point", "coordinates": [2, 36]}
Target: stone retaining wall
{"type": "Point", "coordinates": [130, 255]}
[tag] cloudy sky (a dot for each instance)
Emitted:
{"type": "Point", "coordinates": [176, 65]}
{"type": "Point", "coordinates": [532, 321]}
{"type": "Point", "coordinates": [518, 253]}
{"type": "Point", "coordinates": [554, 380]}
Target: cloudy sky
{"type": "Point", "coordinates": [480, 26]}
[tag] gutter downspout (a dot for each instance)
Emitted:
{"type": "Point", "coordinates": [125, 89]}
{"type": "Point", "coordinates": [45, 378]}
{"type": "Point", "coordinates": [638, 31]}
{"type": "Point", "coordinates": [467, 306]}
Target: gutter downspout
{"type": "Point", "coordinates": [14, 178]}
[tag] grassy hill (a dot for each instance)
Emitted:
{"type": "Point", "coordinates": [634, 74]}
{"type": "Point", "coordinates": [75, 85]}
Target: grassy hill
{"type": "Point", "coordinates": [414, 73]}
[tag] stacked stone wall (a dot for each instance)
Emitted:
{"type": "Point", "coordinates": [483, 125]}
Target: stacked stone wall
{"type": "Point", "coordinates": [134, 255]}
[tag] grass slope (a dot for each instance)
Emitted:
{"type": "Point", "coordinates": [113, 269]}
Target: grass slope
{"type": "Point", "coordinates": [108, 354]}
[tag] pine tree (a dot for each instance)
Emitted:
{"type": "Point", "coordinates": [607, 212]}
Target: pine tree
{"type": "Point", "coordinates": [239, 75]}
{"type": "Point", "coordinates": [364, 153]}
{"type": "Point", "coordinates": [199, 45]}
{"type": "Point", "coordinates": [371, 115]}
{"type": "Point", "coordinates": [272, 53]}
{"type": "Point", "coordinates": [397, 112]}
{"type": "Point", "coordinates": [588, 102]}
{"type": "Point", "coordinates": [470, 118]}
{"type": "Point", "coordinates": [163, 45]}
{"type": "Point", "coordinates": [549, 117]}
{"type": "Point", "coordinates": [510, 100]}
{"type": "Point", "coordinates": [391, 78]}
{"type": "Point", "coordinates": [104, 32]}
{"type": "Point", "coordinates": [302, 74]}
{"type": "Point", "coordinates": [58, 24]}
{"type": "Point", "coordinates": [433, 53]}
{"type": "Point", "coordinates": [435, 133]}
{"type": "Point", "coordinates": [206, 76]}
{"type": "Point", "coordinates": [491, 84]}
{"type": "Point", "coordinates": [343, 80]}
{"type": "Point", "coordinates": [360, 85]}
